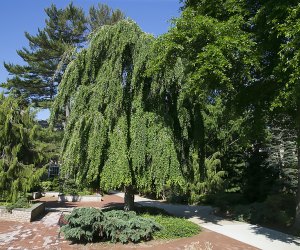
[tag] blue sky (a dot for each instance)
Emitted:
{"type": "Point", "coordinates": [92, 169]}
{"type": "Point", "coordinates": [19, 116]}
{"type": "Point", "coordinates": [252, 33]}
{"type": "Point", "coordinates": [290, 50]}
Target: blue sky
{"type": "Point", "coordinates": [18, 16]}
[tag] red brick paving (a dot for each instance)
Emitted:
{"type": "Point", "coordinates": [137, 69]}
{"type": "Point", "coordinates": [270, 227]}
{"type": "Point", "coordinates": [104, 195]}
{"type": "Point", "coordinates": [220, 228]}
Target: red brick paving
{"type": "Point", "coordinates": [44, 233]}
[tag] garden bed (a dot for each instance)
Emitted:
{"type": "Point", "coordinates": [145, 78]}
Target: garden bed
{"type": "Point", "coordinates": [22, 214]}
{"type": "Point", "coordinates": [116, 225]}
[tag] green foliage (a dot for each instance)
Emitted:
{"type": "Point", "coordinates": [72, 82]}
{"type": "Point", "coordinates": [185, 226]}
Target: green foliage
{"type": "Point", "coordinates": [51, 185]}
{"type": "Point", "coordinates": [37, 80]}
{"type": "Point", "coordinates": [211, 106]}
{"type": "Point", "coordinates": [90, 224]}
{"type": "Point", "coordinates": [103, 15]}
{"type": "Point", "coordinates": [128, 227]}
{"type": "Point", "coordinates": [46, 186]}
{"type": "Point", "coordinates": [53, 47]}
{"type": "Point", "coordinates": [214, 178]}
{"type": "Point", "coordinates": [22, 202]}
{"type": "Point", "coordinates": [282, 158]}
{"type": "Point", "coordinates": [173, 227]}
{"type": "Point", "coordinates": [119, 138]}
{"type": "Point", "coordinates": [175, 194]}
{"type": "Point", "coordinates": [140, 210]}
{"type": "Point", "coordinates": [85, 191]}
{"type": "Point", "coordinates": [226, 200]}
{"type": "Point", "coordinates": [277, 211]}
{"type": "Point", "coordinates": [84, 224]}
{"type": "Point", "coordinates": [22, 160]}
{"type": "Point", "coordinates": [203, 62]}
{"type": "Point", "coordinates": [70, 187]}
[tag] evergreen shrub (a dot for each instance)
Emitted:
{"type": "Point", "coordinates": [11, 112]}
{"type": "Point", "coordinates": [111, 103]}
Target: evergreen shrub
{"type": "Point", "coordinates": [84, 224]}
{"type": "Point", "coordinates": [127, 226]}
{"type": "Point", "coordinates": [91, 224]}
{"type": "Point", "coordinates": [277, 210]}
{"type": "Point", "coordinates": [46, 186]}
{"type": "Point", "coordinates": [22, 202]}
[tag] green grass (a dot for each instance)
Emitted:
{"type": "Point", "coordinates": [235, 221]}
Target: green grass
{"type": "Point", "coordinates": [173, 227]}
{"type": "Point", "coordinates": [4, 203]}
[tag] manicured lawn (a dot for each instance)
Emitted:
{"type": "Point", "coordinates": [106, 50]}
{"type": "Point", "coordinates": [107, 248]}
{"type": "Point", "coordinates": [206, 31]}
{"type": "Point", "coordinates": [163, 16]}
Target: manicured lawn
{"type": "Point", "coordinates": [172, 227]}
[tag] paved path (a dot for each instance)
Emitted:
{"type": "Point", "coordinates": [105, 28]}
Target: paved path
{"type": "Point", "coordinates": [253, 235]}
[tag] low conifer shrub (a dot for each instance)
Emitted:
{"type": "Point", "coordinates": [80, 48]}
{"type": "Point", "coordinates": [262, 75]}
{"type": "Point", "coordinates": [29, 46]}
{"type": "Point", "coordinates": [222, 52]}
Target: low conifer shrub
{"type": "Point", "coordinates": [91, 224]}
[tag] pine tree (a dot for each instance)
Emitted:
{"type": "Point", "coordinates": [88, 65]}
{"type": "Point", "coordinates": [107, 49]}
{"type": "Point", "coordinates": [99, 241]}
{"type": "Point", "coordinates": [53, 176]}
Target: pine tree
{"type": "Point", "coordinates": [52, 49]}
{"type": "Point", "coordinates": [24, 154]}
{"type": "Point", "coordinates": [37, 80]}
{"type": "Point", "coordinates": [282, 153]}
{"type": "Point", "coordinates": [103, 15]}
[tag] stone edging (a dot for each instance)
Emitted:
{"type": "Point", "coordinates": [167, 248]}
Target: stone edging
{"type": "Point", "coordinates": [22, 214]}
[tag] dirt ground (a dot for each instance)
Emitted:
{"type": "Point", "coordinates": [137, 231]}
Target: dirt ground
{"type": "Point", "coordinates": [44, 233]}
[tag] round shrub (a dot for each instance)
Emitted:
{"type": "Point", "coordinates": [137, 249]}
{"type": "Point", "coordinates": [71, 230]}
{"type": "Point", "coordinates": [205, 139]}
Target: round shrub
{"type": "Point", "coordinates": [91, 224]}
{"type": "Point", "coordinates": [127, 226]}
{"type": "Point", "coordinates": [84, 224]}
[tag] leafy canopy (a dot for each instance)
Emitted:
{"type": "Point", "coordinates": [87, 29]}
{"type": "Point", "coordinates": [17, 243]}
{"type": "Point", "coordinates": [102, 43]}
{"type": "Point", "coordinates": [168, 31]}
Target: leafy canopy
{"type": "Point", "coordinates": [113, 134]}
{"type": "Point", "coordinates": [23, 150]}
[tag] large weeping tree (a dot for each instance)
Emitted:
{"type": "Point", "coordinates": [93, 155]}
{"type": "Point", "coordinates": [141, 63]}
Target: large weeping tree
{"type": "Point", "coordinates": [115, 136]}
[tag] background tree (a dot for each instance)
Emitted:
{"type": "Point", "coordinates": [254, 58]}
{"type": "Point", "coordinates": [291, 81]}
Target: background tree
{"type": "Point", "coordinates": [272, 92]}
{"type": "Point", "coordinates": [121, 139]}
{"type": "Point", "coordinates": [288, 99]}
{"type": "Point", "coordinates": [103, 15]}
{"type": "Point", "coordinates": [218, 58]}
{"type": "Point", "coordinates": [52, 48]}
{"type": "Point", "coordinates": [37, 81]}
{"type": "Point", "coordinates": [24, 149]}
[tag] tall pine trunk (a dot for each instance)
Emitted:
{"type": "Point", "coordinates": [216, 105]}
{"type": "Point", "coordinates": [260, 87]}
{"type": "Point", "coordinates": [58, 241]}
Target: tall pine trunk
{"type": "Point", "coordinates": [297, 216]}
{"type": "Point", "coordinates": [129, 198]}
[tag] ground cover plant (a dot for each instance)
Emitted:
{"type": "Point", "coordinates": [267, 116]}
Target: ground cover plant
{"type": "Point", "coordinates": [83, 224]}
{"type": "Point", "coordinates": [128, 226]}
{"type": "Point", "coordinates": [116, 225]}
{"type": "Point", "coordinates": [91, 224]}
{"type": "Point", "coordinates": [172, 227]}
{"type": "Point", "coordinates": [22, 202]}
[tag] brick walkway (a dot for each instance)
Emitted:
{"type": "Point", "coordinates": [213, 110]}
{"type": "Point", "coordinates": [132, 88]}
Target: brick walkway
{"type": "Point", "coordinates": [44, 233]}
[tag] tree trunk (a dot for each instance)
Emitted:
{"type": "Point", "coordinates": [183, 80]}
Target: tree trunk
{"type": "Point", "coordinates": [297, 216]}
{"type": "Point", "coordinates": [129, 198]}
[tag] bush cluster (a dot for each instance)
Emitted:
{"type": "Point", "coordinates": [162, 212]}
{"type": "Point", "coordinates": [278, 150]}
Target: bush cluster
{"type": "Point", "coordinates": [127, 226]}
{"type": "Point", "coordinates": [174, 227]}
{"type": "Point", "coordinates": [50, 185]}
{"type": "Point", "coordinates": [83, 224]}
{"type": "Point", "coordinates": [277, 210]}
{"type": "Point", "coordinates": [91, 224]}
{"type": "Point", "coordinates": [22, 202]}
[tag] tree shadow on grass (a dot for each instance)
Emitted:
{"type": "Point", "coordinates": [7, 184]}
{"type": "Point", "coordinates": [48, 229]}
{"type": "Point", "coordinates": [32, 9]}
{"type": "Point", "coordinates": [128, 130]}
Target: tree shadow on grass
{"type": "Point", "coordinates": [202, 213]}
